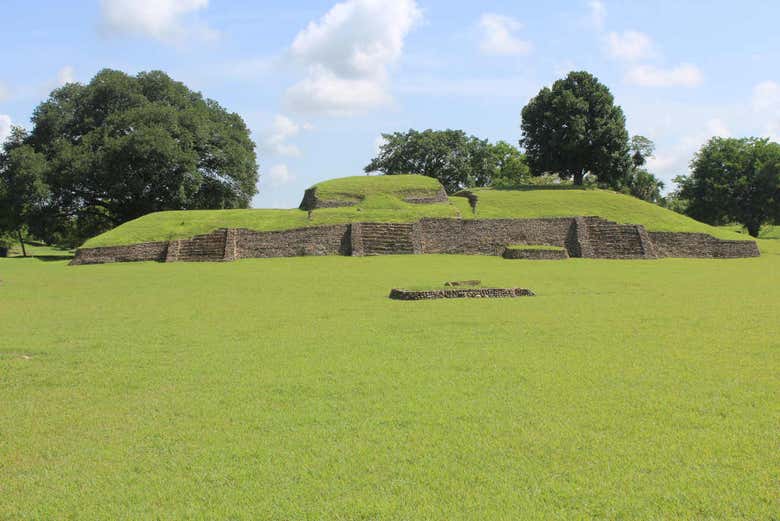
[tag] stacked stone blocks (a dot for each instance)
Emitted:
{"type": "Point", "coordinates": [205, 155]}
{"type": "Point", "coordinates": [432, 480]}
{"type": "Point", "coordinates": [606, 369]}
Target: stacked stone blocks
{"type": "Point", "coordinates": [589, 237]}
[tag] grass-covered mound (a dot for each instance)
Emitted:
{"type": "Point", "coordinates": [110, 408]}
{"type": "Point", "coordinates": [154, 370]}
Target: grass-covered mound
{"type": "Point", "coordinates": [356, 189]}
{"type": "Point", "coordinates": [530, 203]}
{"type": "Point", "coordinates": [381, 199]}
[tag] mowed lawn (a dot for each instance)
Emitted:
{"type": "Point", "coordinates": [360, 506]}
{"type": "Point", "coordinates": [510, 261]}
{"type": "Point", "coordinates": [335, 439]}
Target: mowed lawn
{"type": "Point", "coordinates": [294, 389]}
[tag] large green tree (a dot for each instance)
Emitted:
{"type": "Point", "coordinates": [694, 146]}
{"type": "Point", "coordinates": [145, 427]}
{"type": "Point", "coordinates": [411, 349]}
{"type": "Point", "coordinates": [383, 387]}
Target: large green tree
{"type": "Point", "coordinates": [734, 180]}
{"type": "Point", "coordinates": [123, 146]}
{"type": "Point", "coordinates": [456, 159]}
{"type": "Point", "coordinates": [574, 129]}
{"type": "Point", "coordinates": [23, 191]}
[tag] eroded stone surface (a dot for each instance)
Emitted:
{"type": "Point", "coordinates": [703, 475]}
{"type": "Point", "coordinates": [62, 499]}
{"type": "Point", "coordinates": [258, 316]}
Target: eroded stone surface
{"type": "Point", "coordinates": [402, 294]}
{"type": "Point", "coordinates": [535, 254]}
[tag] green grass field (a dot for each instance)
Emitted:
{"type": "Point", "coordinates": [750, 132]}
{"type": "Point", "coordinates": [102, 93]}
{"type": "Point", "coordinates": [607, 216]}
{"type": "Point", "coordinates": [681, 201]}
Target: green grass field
{"type": "Point", "coordinates": [295, 389]}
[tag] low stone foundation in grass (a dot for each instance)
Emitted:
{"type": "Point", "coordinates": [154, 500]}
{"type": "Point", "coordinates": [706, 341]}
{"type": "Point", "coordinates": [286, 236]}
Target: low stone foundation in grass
{"type": "Point", "coordinates": [536, 253]}
{"type": "Point", "coordinates": [463, 283]}
{"type": "Point", "coordinates": [403, 294]}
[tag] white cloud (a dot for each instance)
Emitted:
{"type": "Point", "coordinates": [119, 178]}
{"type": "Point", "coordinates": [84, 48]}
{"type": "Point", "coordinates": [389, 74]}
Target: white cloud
{"type": "Point", "coordinates": [499, 35]}
{"type": "Point", "coordinates": [282, 130]}
{"type": "Point", "coordinates": [66, 75]}
{"type": "Point", "coordinates": [766, 103]}
{"type": "Point", "coordinates": [684, 75]}
{"type": "Point", "coordinates": [163, 20]}
{"type": "Point", "coordinates": [5, 92]}
{"type": "Point", "coordinates": [279, 175]}
{"type": "Point", "coordinates": [5, 127]}
{"type": "Point", "coordinates": [597, 14]}
{"type": "Point", "coordinates": [347, 54]}
{"type": "Point", "coordinates": [630, 46]}
{"type": "Point", "coordinates": [672, 161]}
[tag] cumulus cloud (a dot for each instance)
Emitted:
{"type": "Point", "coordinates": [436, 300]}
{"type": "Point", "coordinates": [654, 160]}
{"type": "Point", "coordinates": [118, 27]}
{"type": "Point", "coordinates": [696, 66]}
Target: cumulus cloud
{"type": "Point", "coordinates": [347, 55]}
{"type": "Point", "coordinates": [499, 35]}
{"type": "Point", "coordinates": [282, 130]}
{"type": "Point", "coordinates": [672, 161]}
{"type": "Point", "coordinates": [5, 92]}
{"type": "Point", "coordinates": [5, 127]}
{"type": "Point", "coordinates": [279, 175]}
{"type": "Point", "coordinates": [630, 46]}
{"type": "Point", "coordinates": [164, 20]}
{"type": "Point", "coordinates": [684, 75]}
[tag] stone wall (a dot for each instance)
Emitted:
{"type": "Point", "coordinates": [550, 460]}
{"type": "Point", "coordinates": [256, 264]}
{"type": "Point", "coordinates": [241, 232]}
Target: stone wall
{"type": "Point", "coordinates": [581, 237]}
{"type": "Point", "coordinates": [700, 245]}
{"type": "Point", "coordinates": [149, 251]}
{"type": "Point", "coordinates": [535, 254]}
{"type": "Point", "coordinates": [210, 247]}
{"type": "Point", "coordinates": [438, 197]}
{"type": "Point", "coordinates": [316, 240]}
{"type": "Point", "coordinates": [491, 236]}
{"type": "Point", "coordinates": [312, 202]}
{"type": "Point", "coordinates": [403, 294]}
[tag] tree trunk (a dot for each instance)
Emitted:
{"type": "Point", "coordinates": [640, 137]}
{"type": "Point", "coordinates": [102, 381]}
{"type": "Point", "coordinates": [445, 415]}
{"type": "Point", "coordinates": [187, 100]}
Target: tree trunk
{"type": "Point", "coordinates": [578, 178]}
{"type": "Point", "coordinates": [21, 241]}
{"type": "Point", "coordinates": [753, 229]}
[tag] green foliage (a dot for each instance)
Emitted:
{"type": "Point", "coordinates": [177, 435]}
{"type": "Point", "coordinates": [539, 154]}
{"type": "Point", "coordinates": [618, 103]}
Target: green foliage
{"type": "Point", "coordinates": [644, 185]}
{"type": "Point", "coordinates": [734, 180]}
{"type": "Point", "coordinates": [123, 146]}
{"type": "Point", "coordinates": [575, 129]}
{"type": "Point", "coordinates": [23, 191]}
{"type": "Point", "coordinates": [295, 389]}
{"type": "Point", "coordinates": [641, 149]}
{"type": "Point", "coordinates": [510, 169]}
{"type": "Point", "coordinates": [455, 159]}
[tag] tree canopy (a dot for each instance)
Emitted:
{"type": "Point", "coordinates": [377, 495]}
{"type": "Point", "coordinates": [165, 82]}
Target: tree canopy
{"type": "Point", "coordinates": [456, 159]}
{"type": "Point", "coordinates": [734, 180]}
{"type": "Point", "coordinates": [22, 188]}
{"type": "Point", "coordinates": [574, 129]}
{"type": "Point", "coordinates": [123, 146]}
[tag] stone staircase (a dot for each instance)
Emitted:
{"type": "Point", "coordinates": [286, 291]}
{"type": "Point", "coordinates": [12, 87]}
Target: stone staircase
{"type": "Point", "coordinates": [202, 248]}
{"type": "Point", "coordinates": [387, 238]}
{"type": "Point", "coordinates": [610, 240]}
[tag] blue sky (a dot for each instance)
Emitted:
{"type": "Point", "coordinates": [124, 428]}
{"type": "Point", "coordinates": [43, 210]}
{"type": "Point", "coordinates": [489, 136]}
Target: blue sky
{"type": "Point", "coordinates": [318, 81]}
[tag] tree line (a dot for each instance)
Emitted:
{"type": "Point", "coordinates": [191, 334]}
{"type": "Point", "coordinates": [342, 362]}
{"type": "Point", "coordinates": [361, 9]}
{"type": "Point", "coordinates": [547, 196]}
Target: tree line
{"type": "Point", "coordinates": [118, 148]}
{"type": "Point", "coordinates": [123, 146]}
{"type": "Point", "coordinates": [575, 133]}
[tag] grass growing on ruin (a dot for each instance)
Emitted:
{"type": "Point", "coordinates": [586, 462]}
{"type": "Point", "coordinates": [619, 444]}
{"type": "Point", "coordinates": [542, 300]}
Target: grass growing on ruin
{"type": "Point", "coordinates": [524, 204]}
{"type": "Point", "coordinates": [165, 226]}
{"type": "Point", "coordinates": [357, 188]}
{"type": "Point", "coordinates": [381, 201]}
{"type": "Point", "coordinates": [295, 389]}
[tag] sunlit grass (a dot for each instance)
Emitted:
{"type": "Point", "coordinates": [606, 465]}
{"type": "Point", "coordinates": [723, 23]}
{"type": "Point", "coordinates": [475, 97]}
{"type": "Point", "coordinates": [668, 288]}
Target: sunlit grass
{"type": "Point", "coordinates": [295, 389]}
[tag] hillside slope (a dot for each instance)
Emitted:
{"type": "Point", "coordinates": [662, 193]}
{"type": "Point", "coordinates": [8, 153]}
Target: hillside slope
{"type": "Point", "coordinates": [381, 199]}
